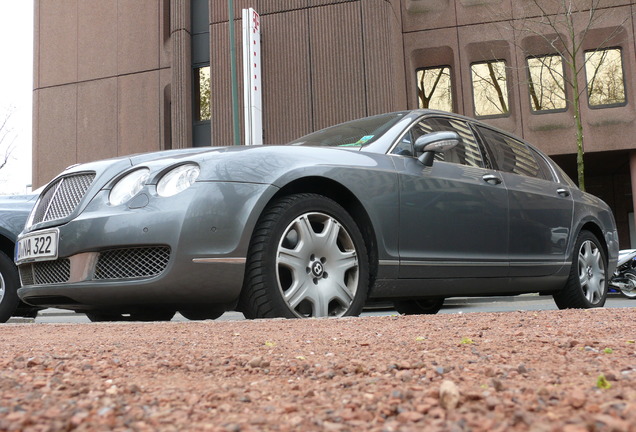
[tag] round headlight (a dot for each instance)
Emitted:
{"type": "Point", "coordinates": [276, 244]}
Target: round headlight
{"type": "Point", "coordinates": [177, 180]}
{"type": "Point", "coordinates": [128, 186]}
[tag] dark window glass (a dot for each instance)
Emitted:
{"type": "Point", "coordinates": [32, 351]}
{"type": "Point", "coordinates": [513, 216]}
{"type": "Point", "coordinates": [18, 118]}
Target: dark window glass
{"type": "Point", "coordinates": [467, 152]}
{"type": "Point", "coordinates": [434, 88]}
{"type": "Point", "coordinates": [543, 165]}
{"type": "Point", "coordinates": [510, 155]}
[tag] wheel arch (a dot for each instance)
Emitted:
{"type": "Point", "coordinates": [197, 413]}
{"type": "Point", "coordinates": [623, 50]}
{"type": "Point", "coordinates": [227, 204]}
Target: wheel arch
{"type": "Point", "coordinates": [345, 198]}
{"type": "Point", "coordinates": [595, 229]}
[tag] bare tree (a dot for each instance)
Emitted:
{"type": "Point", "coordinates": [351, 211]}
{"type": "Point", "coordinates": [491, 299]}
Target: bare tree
{"type": "Point", "coordinates": [7, 139]}
{"type": "Point", "coordinates": [563, 29]}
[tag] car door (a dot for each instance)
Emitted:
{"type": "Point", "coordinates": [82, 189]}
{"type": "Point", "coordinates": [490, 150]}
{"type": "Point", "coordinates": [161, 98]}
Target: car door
{"type": "Point", "coordinates": [453, 214]}
{"type": "Point", "coordinates": [540, 208]}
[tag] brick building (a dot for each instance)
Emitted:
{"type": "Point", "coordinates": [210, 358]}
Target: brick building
{"type": "Point", "coordinates": [114, 77]}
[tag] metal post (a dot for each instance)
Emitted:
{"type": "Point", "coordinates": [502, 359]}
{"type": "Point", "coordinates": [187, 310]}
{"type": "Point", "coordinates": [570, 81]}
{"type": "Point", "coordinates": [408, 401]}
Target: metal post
{"type": "Point", "coordinates": [235, 101]}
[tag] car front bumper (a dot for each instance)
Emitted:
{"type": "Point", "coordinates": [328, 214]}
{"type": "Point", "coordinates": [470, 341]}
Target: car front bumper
{"type": "Point", "coordinates": [189, 249]}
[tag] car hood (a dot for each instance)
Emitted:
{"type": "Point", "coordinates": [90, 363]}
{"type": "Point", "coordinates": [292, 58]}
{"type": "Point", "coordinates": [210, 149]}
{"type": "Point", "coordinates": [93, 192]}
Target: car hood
{"type": "Point", "coordinates": [257, 164]}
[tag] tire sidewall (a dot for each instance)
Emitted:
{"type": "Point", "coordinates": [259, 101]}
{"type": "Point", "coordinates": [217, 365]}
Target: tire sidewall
{"type": "Point", "coordinates": [312, 203]}
{"type": "Point", "coordinates": [10, 300]}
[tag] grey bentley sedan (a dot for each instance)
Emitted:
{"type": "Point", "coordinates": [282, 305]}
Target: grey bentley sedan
{"type": "Point", "coordinates": [411, 207]}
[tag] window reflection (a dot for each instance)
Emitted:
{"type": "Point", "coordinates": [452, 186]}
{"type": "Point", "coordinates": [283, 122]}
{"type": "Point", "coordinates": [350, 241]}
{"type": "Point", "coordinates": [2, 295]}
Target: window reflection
{"type": "Point", "coordinates": [202, 94]}
{"type": "Point", "coordinates": [546, 84]}
{"type": "Point", "coordinates": [434, 88]}
{"type": "Point", "coordinates": [490, 91]}
{"type": "Point", "coordinates": [604, 73]}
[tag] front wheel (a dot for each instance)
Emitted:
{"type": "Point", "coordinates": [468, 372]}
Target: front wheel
{"type": "Point", "coordinates": [586, 286]}
{"type": "Point", "coordinates": [307, 258]}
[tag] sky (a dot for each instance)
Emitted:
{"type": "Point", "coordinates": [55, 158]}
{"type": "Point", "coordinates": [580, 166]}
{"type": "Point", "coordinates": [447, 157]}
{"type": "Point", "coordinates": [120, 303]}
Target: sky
{"type": "Point", "coordinates": [16, 91]}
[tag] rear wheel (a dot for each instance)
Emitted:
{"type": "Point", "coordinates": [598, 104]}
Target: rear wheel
{"type": "Point", "coordinates": [307, 258]}
{"type": "Point", "coordinates": [587, 284]}
{"type": "Point", "coordinates": [9, 284]}
{"type": "Point", "coordinates": [419, 306]}
{"type": "Point", "coordinates": [147, 316]}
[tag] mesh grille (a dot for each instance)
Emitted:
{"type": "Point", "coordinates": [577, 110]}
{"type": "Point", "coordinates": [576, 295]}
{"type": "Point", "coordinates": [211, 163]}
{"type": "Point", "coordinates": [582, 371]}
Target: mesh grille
{"type": "Point", "coordinates": [132, 263]}
{"type": "Point", "coordinates": [62, 197]}
{"type": "Point", "coordinates": [45, 272]}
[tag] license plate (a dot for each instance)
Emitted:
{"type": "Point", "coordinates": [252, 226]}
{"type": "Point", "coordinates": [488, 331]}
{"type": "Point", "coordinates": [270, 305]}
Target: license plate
{"type": "Point", "coordinates": [41, 245]}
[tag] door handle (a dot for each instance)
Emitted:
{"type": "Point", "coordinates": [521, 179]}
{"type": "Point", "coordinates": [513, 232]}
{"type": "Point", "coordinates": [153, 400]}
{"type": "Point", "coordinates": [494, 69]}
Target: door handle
{"type": "Point", "coordinates": [563, 192]}
{"type": "Point", "coordinates": [491, 179]}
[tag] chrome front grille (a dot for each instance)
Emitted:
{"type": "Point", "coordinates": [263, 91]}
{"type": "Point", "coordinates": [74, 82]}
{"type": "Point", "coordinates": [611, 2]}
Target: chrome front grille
{"type": "Point", "coordinates": [132, 263]}
{"type": "Point", "coordinates": [62, 197]}
{"type": "Point", "coordinates": [45, 272]}
{"type": "Point", "coordinates": [112, 265]}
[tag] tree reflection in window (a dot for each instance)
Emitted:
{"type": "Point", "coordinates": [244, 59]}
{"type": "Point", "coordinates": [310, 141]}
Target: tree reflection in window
{"type": "Point", "coordinates": [202, 94]}
{"type": "Point", "coordinates": [490, 91]}
{"type": "Point", "coordinates": [546, 83]}
{"type": "Point", "coordinates": [604, 73]}
{"type": "Point", "coordinates": [434, 88]}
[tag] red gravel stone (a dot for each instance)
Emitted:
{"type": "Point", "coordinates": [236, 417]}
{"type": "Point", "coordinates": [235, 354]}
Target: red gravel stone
{"type": "Point", "coordinates": [518, 371]}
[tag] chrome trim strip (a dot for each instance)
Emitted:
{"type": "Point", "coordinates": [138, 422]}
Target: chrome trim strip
{"type": "Point", "coordinates": [219, 260]}
{"type": "Point", "coordinates": [544, 263]}
{"type": "Point", "coordinates": [453, 263]}
{"type": "Point", "coordinates": [388, 262]}
{"type": "Point", "coordinates": [480, 263]}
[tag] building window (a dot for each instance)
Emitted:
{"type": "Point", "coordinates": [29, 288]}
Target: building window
{"type": "Point", "coordinates": [546, 83]}
{"type": "Point", "coordinates": [604, 74]}
{"type": "Point", "coordinates": [490, 90]}
{"type": "Point", "coordinates": [434, 88]}
{"type": "Point", "coordinates": [202, 94]}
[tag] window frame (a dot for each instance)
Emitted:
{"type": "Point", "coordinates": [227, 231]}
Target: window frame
{"type": "Point", "coordinates": [565, 87]}
{"type": "Point", "coordinates": [587, 87]}
{"type": "Point", "coordinates": [472, 87]}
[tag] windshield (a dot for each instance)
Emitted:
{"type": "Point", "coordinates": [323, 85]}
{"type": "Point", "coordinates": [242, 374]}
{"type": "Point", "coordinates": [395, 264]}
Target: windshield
{"type": "Point", "coordinates": [356, 133]}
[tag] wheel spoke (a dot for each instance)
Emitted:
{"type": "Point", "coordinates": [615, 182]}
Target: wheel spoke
{"type": "Point", "coordinates": [306, 234]}
{"type": "Point", "coordinates": [291, 259]}
{"type": "Point", "coordinates": [299, 291]}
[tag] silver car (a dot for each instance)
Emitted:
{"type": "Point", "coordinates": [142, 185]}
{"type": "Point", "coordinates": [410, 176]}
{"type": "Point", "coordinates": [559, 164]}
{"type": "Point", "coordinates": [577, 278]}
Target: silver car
{"type": "Point", "coordinates": [411, 207]}
{"type": "Point", "coordinates": [14, 210]}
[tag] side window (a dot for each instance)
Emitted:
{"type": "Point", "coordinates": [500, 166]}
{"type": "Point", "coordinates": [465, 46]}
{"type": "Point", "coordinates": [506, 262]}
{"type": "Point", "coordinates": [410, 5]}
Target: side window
{"type": "Point", "coordinates": [510, 155]}
{"type": "Point", "coordinates": [543, 165]}
{"type": "Point", "coordinates": [467, 152]}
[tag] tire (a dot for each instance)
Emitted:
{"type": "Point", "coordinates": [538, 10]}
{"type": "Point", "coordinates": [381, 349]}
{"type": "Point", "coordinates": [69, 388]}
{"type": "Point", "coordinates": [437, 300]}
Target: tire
{"type": "Point", "coordinates": [9, 284]}
{"type": "Point", "coordinates": [208, 313]}
{"type": "Point", "coordinates": [307, 258]}
{"type": "Point", "coordinates": [145, 316]}
{"type": "Point", "coordinates": [419, 306]}
{"type": "Point", "coordinates": [587, 284]}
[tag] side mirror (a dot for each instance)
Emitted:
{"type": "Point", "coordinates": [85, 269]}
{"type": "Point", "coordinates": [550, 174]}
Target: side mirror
{"type": "Point", "coordinates": [435, 142]}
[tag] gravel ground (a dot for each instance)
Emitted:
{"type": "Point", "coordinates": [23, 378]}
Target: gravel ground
{"type": "Point", "coordinates": [517, 371]}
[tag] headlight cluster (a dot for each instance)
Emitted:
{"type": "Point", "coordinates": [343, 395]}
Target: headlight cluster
{"type": "Point", "coordinates": [171, 183]}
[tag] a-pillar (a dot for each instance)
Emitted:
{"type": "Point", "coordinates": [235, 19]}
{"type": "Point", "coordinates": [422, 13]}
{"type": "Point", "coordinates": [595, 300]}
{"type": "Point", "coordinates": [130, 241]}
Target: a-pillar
{"type": "Point", "coordinates": [181, 84]}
